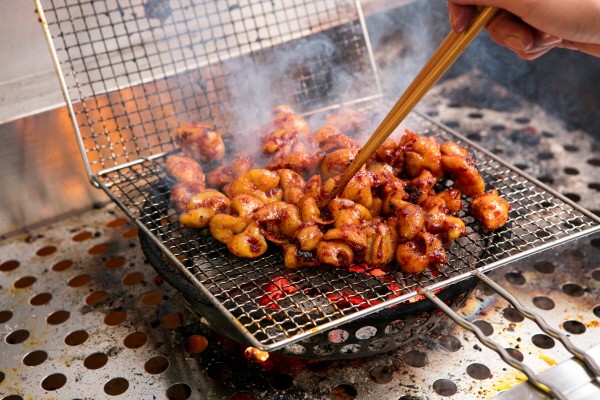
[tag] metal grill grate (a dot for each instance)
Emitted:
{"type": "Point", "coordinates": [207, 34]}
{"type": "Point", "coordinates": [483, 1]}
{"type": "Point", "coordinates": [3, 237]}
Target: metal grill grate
{"type": "Point", "coordinates": [244, 289]}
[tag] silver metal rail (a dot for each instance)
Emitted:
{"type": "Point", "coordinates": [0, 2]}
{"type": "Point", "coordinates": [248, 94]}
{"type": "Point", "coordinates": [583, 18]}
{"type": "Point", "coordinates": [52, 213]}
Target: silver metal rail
{"type": "Point", "coordinates": [580, 355]}
{"type": "Point", "coordinates": [586, 360]}
{"type": "Point", "coordinates": [533, 379]}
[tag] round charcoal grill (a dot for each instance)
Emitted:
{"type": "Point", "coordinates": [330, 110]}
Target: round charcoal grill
{"type": "Point", "coordinates": [304, 296]}
{"type": "Point", "coordinates": [373, 334]}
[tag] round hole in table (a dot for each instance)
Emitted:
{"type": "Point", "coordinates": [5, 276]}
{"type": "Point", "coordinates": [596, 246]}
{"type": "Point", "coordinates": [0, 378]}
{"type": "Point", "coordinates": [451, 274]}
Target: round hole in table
{"type": "Point", "coordinates": [135, 340]}
{"type": "Point", "coordinates": [76, 338]}
{"type": "Point", "coordinates": [35, 358]}
{"type": "Point", "coordinates": [5, 316]}
{"type": "Point", "coordinates": [444, 387]}
{"type": "Point", "coordinates": [9, 265]}
{"type": "Point", "coordinates": [58, 317]}
{"type": "Point", "coordinates": [24, 282]}
{"type": "Point", "coordinates": [46, 251]}
{"type": "Point", "coordinates": [62, 265]}
{"type": "Point", "coordinates": [116, 386]}
{"type": "Point", "coordinates": [156, 365]}
{"type": "Point", "coordinates": [54, 381]}
{"type": "Point", "coordinates": [381, 374]}
{"type": "Point", "coordinates": [17, 336]}
{"type": "Point", "coordinates": [343, 392]}
{"type": "Point", "coordinates": [95, 361]}
{"type": "Point", "coordinates": [179, 391]}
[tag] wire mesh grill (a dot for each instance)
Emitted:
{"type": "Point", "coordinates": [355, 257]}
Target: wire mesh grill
{"type": "Point", "coordinates": [275, 306]}
{"type": "Point", "coordinates": [135, 69]}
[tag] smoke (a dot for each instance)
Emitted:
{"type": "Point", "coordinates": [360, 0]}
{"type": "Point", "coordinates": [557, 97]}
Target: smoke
{"type": "Point", "coordinates": [404, 38]}
{"type": "Point", "coordinates": [296, 73]}
{"type": "Point", "coordinates": [309, 73]}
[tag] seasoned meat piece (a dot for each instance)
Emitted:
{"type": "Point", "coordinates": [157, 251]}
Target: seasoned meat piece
{"type": "Point", "coordinates": [244, 205]}
{"type": "Point", "coordinates": [280, 141]}
{"type": "Point", "coordinates": [202, 207]}
{"type": "Point", "coordinates": [292, 122]}
{"type": "Point", "coordinates": [335, 253]}
{"type": "Point", "coordinates": [184, 169]}
{"type": "Point", "coordinates": [336, 163]}
{"type": "Point", "coordinates": [200, 141]}
{"type": "Point", "coordinates": [382, 242]}
{"type": "Point", "coordinates": [457, 162]}
{"type": "Point", "coordinates": [294, 257]}
{"type": "Point", "coordinates": [347, 121]}
{"type": "Point", "coordinates": [298, 161]}
{"type": "Point", "coordinates": [423, 251]}
{"type": "Point", "coordinates": [410, 219]}
{"type": "Point", "coordinates": [418, 154]}
{"type": "Point", "coordinates": [226, 173]}
{"type": "Point", "coordinates": [182, 192]}
{"type": "Point", "coordinates": [360, 188]}
{"type": "Point", "coordinates": [490, 210]}
{"type": "Point", "coordinates": [351, 235]}
{"type": "Point", "coordinates": [250, 243]}
{"type": "Point", "coordinates": [224, 227]}
{"type": "Point", "coordinates": [278, 221]}
{"type": "Point", "coordinates": [387, 152]}
{"type": "Point", "coordinates": [329, 139]}
{"type": "Point", "coordinates": [260, 183]}
{"type": "Point", "coordinates": [421, 187]}
{"type": "Point", "coordinates": [308, 236]}
{"type": "Point", "coordinates": [292, 184]}
{"type": "Point", "coordinates": [347, 212]}
{"type": "Point", "coordinates": [284, 133]}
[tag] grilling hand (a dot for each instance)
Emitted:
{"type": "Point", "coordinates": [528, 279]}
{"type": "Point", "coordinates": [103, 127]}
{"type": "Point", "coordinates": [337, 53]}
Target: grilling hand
{"type": "Point", "coordinates": [531, 28]}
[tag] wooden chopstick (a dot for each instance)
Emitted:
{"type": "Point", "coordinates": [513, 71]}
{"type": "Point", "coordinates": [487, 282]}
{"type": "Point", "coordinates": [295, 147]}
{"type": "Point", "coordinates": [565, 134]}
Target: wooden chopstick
{"type": "Point", "coordinates": [444, 56]}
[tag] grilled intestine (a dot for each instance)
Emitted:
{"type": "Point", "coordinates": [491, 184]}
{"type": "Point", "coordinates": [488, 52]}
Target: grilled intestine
{"type": "Point", "coordinates": [394, 210]}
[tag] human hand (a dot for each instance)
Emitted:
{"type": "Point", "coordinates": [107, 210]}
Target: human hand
{"type": "Point", "coordinates": [531, 28]}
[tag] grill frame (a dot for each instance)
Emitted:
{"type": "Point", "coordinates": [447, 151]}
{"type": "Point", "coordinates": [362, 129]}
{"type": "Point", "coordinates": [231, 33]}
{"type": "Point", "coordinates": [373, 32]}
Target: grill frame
{"type": "Point", "coordinates": [123, 170]}
{"type": "Point", "coordinates": [126, 160]}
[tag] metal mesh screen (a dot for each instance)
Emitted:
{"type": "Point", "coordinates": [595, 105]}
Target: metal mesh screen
{"type": "Point", "coordinates": [273, 305]}
{"type": "Point", "coordinates": [135, 69]}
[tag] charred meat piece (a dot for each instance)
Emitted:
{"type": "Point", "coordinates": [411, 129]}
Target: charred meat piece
{"type": "Point", "coordinates": [200, 141]}
{"type": "Point", "coordinates": [184, 169]}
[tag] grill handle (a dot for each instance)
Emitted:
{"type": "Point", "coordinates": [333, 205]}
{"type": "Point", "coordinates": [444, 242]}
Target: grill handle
{"type": "Point", "coordinates": [580, 355]}
{"type": "Point", "coordinates": [533, 379]}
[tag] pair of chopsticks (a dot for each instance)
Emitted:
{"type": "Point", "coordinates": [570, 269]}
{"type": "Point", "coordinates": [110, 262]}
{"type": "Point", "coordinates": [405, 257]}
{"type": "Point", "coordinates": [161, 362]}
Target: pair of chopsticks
{"type": "Point", "coordinates": [445, 55]}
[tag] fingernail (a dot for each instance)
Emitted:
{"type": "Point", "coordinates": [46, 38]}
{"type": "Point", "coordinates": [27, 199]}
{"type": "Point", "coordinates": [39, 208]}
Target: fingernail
{"type": "Point", "coordinates": [459, 16]}
{"type": "Point", "coordinates": [461, 19]}
{"type": "Point", "coordinates": [514, 42]}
